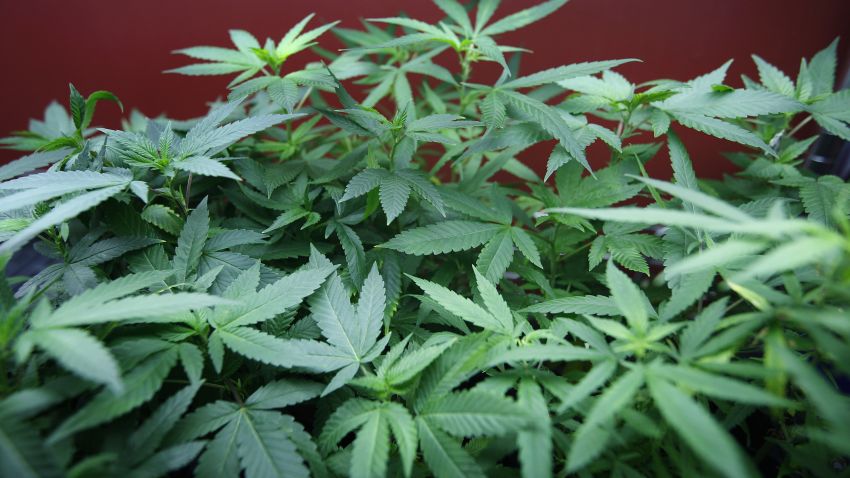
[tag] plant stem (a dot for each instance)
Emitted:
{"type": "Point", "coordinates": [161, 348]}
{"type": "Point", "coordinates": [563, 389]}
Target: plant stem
{"type": "Point", "coordinates": [799, 126]}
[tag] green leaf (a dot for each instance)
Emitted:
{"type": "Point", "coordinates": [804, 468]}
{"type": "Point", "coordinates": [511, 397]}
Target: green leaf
{"type": "Point", "coordinates": [733, 104]}
{"type": "Point", "coordinates": [405, 433]}
{"type": "Point", "coordinates": [423, 187]}
{"type": "Point", "coordinates": [628, 297]}
{"type": "Point", "coordinates": [551, 121]}
{"type": "Point", "coordinates": [30, 163]}
{"type": "Point", "coordinates": [363, 182]}
{"type": "Point", "coordinates": [164, 218]}
{"type": "Point", "coordinates": [205, 167]}
{"type": "Point", "coordinates": [274, 299]}
{"type": "Point", "coordinates": [78, 106]}
{"type": "Point", "coordinates": [820, 197]}
{"type": "Point", "coordinates": [283, 393]}
{"type": "Point", "coordinates": [456, 12]}
{"type": "Point", "coordinates": [190, 244]}
{"type": "Point", "coordinates": [773, 78]}
{"type": "Point", "coordinates": [58, 214]}
{"type": "Point", "coordinates": [612, 400]}
{"type": "Point", "coordinates": [535, 445]}
{"type": "Point", "coordinates": [699, 430]}
{"type": "Point", "coordinates": [494, 302]}
{"type": "Point", "coordinates": [686, 291]}
{"type": "Point", "coordinates": [683, 169]}
{"type": "Point", "coordinates": [23, 454]}
{"type": "Point", "coordinates": [371, 448]}
{"type": "Point", "coordinates": [722, 129]}
{"type": "Point", "coordinates": [81, 353]}
{"type": "Point", "coordinates": [443, 237]}
{"type": "Point", "coordinates": [587, 304]}
{"type": "Point", "coordinates": [496, 256]}
{"type": "Point", "coordinates": [394, 192]}
{"type": "Point", "coordinates": [461, 306]}
{"type": "Point", "coordinates": [591, 382]}
{"type": "Point", "coordinates": [91, 104]}
{"type": "Point", "coordinates": [140, 385]}
{"type": "Point", "coordinates": [370, 309]}
{"type": "Point", "coordinates": [264, 449]}
{"type": "Point", "coordinates": [473, 413]}
{"type": "Point", "coordinates": [561, 73]}
{"type": "Point", "coordinates": [718, 386]}
{"type": "Point", "coordinates": [822, 69]}
{"type": "Point", "coordinates": [444, 455]}
{"type": "Point", "coordinates": [258, 346]}
{"type": "Point", "coordinates": [335, 316]}
{"type": "Point", "coordinates": [526, 246]}
{"type": "Point", "coordinates": [147, 438]}
{"type": "Point", "coordinates": [493, 112]}
{"type": "Point", "coordinates": [522, 18]}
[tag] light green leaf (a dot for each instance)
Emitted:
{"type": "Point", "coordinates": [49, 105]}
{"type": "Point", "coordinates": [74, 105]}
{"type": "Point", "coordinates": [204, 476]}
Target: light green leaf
{"type": "Point", "coordinates": [698, 428]}
{"type": "Point", "coordinates": [461, 306]}
{"type": "Point", "coordinates": [81, 353]}
{"type": "Point", "coordinates": [522, 18]}
{"type": "Point", "coordinates": [628, 297]}
{"type": "Point", "coordinates": [443, 237]}
{"type": "Point", "coordinates": [496, 256]}
{"type": "Point", "coordinates": [190, 244]}
{"type": "Point", "coordinates": [444, 455]}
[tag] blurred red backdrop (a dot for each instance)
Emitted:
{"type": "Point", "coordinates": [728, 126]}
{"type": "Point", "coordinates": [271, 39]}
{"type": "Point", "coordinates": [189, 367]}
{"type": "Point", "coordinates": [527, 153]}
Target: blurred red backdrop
{"type": "Point", "coordinates": [124, 46]}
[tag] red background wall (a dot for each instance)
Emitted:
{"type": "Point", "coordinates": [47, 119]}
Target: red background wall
{"type": "Point", "coordinates": [123, 46]}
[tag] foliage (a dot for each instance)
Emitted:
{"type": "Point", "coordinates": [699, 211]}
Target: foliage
{"type": "Point", "coordinates": [323, 276]}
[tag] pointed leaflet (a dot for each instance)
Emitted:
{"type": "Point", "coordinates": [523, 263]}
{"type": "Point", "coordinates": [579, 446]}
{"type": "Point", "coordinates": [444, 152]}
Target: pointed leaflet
{"type": "Point", "coordinates": [264, 449]}
{"type": "Point", "coordinates": [461, 306]}
{"type": "Point", "coordinates": [718, 386]}
{"type": "Point", "coordinates": [205, 167]}
{"type": "Point", "coordinates": [273, 299]}
{"type": "Point", "coordinates": [363, 182]}
{"type": "Point", "coordinates": [139, 386]}
{"type": "Point", "coordinates": [683, 170]}
{"type": "Point", "coordinates": [550, 119]}
{"type": "Point", "coordinates": [59, 213]}
{"type": "Point", "coordinates": [722, 129]}
{"type": "Point", "coordinates": [822, 69]}
{"type": "Point", "coordinates": [592, 381]}
{"type": "Point", "coordinates": [554, 75]}
{"type": "Point", "coordinates": [443, 237]}
{"type": "Point", "coordinates": [335, 316]}
{"type": "Point", "coordinates": [282, 393]}
{"type": "Point", "coordinates": [585, 304]}
{"type": "Point", "coordinates": [23, 453]}
{"type": "Point", "coordinates": [473, 413]}
{"type": "Point", "coordinates": [773, 78]}
{"type": "Point", "coordinates": [405, 433]}
{"type": "Point", "coordinates": [81, 353]}
{"type": "Point", "coordinates": [494, 302]}
{"type": "Point", "coordinates": [526, 246]}
{"type": "Point", "coordinates": [444, 455]}
{"type": "Point", "coordinates": [190, 244]}
{"type": "Point", "coordinates": [371, 449]}
{"type": "Point", "coordinates": [370, 309]}
{"type": "Point", "coordinates": [535, 444]}
{"type": "Point", "coordinates": [522, 18]}
{"type": "Point", "coordinates": [612, 400]}
{"type": "Point", "coordinates": [496, 256]}
{"type": "Point", "coordinates": [697, 427]}
{"type": "Point", "coordinates": [147, 437]}
{"type": "Point", "coordinates": [629, 299]}
{"type": "Point", "coordinates": [393, 193]}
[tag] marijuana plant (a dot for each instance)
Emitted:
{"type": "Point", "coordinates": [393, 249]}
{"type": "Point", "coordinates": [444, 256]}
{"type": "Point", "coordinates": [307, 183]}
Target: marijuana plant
{"type": "Point", "coordinates": [323, 277]}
